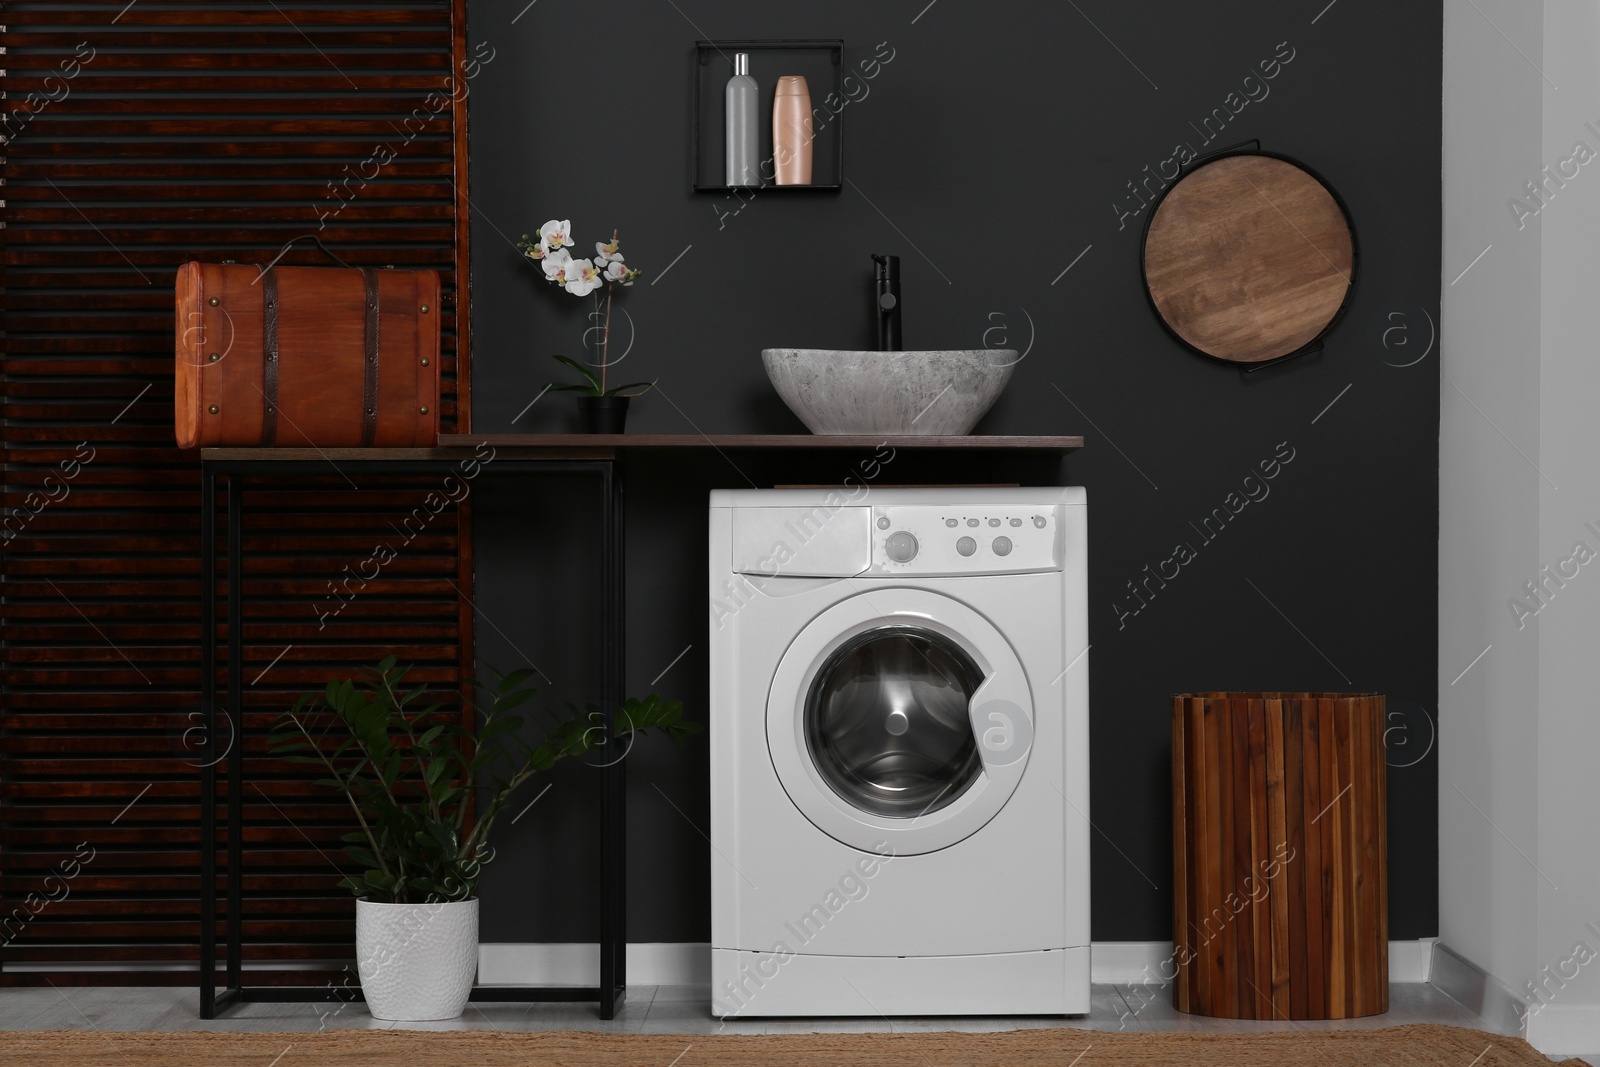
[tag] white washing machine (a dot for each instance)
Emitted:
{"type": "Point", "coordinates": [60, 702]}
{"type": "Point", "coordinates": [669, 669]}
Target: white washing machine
{"type": "Point", "coordinates": [899, 744]}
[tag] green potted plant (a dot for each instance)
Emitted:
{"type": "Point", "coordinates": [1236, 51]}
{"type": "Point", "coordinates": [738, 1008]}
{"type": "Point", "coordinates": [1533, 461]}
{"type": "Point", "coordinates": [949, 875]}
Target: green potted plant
{"type": "Point", "coordinates": [425, 791]}
{"type": "Point", "coordinates": [602, 408]}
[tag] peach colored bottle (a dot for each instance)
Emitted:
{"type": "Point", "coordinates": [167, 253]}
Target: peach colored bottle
{"type": "Point", "coordinates": [791, 131]}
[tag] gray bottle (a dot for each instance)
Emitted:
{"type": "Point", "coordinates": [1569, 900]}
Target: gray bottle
{"type": "Point", "coordinates": [743, 131]}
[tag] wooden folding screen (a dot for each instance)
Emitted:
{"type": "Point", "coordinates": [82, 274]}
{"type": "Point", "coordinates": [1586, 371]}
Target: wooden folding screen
{"type": "Point", "coordinates": [139, 135]}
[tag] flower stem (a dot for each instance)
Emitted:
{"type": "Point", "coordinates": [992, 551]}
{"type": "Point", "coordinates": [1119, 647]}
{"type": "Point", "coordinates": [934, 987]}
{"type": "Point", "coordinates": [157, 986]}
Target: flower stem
{"type": "Point", "coordinates": [605, 360]}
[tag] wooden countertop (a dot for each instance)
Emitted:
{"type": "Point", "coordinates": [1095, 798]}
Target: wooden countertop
{"type": "Point", "coordinates": [606, 446]}
{"type": "Point", "coordinates": [757, 440]}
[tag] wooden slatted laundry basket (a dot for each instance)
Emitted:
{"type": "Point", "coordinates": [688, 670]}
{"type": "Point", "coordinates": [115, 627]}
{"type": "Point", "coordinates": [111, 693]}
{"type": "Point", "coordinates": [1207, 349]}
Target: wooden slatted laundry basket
{"type": "Point", "coordinates": [1280, 863]}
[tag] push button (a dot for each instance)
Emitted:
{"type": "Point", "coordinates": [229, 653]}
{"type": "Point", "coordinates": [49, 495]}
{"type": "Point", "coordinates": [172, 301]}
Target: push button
{"type": "Point", "coordinates": [994, 522]}
{"type": "Point", "coordinates": [1002, 546]}
{"type": "Point", "coordinates": [883, 522]}
{"type": "Point", "coordinates": [972, 522]}
{"type": "Point", "coordinates": [1038, 520]}
{"type": "Point", "coordinates": [966, 546]}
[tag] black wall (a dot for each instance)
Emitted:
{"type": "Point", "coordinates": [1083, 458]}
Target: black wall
{"type": "Point", "coordinates": [993, 149]}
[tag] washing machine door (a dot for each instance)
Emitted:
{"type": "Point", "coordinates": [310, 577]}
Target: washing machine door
{"type": "Point", "coordinates": [900, 717]}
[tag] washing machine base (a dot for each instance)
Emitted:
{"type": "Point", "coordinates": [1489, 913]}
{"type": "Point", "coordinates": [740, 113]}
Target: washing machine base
{"type": "Point", "coordinates": [1050, 982]}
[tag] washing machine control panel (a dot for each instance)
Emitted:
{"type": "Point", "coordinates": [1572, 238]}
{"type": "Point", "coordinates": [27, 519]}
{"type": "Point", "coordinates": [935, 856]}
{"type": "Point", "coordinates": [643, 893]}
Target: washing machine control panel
{"type": "Point", "coordinates": [968, 539]}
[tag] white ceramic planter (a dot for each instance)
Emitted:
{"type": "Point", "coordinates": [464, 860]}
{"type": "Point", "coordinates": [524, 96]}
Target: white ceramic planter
{"type": "Point", "coordinates": [417, 961]}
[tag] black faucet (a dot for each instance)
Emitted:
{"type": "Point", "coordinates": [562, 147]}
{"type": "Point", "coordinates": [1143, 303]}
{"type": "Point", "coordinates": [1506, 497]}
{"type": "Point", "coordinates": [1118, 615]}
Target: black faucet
{"type": "Point", "coordinates": [886, 302]}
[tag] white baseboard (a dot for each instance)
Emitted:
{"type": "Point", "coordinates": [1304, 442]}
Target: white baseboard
{"type": "Point", "coordinates": [1412, 961]}
{"type": "Point", "coordinates": [689, 963]}
{"type": "Point", "coordinates": [578, 963]}
{"type": "Point", "coordinates": [1564, 1029]}
{"type": "Point", "coordinates": [1478, 991]}
{"type": "Point", "coordinates": [1556, 1028]}
{"type": "Point", "coordinates": [1132, 962]}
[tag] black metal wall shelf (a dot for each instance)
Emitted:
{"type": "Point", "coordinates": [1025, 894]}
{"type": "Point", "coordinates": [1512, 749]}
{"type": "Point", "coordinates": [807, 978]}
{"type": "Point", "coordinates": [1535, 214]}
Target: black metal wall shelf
{"type": "Point", "coordinates": [821, 62]}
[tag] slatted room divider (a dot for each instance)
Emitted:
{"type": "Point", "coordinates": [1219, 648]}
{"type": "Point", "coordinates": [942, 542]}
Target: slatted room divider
{"type": "Point", "coordinates": [140, 135]}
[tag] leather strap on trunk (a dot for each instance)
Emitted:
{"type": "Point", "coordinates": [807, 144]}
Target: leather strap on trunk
{"type": "Point", "coordinates": [369, 392]}
{"type": "Point", "coordinates": [269, 334]}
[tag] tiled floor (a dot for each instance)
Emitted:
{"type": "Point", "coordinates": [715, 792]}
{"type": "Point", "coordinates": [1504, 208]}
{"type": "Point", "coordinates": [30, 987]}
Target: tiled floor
{"type": "Point", "coordinates": [650, 1009]}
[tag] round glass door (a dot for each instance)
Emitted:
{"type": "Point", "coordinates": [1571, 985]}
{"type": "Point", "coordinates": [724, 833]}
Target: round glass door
{"type": "Point", "coordinates": [887, 722]}
{"type": "Point", "coordinates": [899, 718]}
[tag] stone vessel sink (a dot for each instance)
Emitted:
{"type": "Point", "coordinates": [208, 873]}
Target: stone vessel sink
{"type": "Point", "coordinates": [889, 393]}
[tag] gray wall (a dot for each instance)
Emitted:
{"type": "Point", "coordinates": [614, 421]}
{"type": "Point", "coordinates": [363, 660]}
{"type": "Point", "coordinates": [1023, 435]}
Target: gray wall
{"type": "Point", "coordinates": [990, 152]}
{"type": "Point", "coordinates": [1569, 440]}
{"type": "Point", "coordinates": [1519, 872]}
{"type": "Point", "coordinates": [1489, 537]}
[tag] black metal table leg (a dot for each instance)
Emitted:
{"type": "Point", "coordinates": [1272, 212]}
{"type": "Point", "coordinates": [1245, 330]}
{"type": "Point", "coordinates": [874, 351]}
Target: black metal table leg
{"type": "Point", "coordinates": [208, 770]}
{"type": "Point", "coordinates": [235, 713]}
{"type": "Point", "coordinates": [617, 839]}
{"type": "Point", "coordinates": [613, 872]}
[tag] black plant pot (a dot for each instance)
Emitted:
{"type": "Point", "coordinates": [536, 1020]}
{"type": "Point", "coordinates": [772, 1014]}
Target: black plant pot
{"type": "Point", "coordinates": [603, 414]}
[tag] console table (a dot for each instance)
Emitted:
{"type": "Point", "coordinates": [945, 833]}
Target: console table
{"type": "Point", "coordinates": [598, 454]}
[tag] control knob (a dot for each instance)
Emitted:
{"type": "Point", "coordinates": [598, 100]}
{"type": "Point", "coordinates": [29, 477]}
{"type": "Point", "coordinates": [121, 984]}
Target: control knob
{"type": "Point", "coordinates": [901, 546]}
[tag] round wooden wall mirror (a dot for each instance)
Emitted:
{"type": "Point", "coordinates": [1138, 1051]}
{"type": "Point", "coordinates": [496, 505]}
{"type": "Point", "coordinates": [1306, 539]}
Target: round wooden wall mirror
{"type": "Point", "coordinates": [1249, 258]}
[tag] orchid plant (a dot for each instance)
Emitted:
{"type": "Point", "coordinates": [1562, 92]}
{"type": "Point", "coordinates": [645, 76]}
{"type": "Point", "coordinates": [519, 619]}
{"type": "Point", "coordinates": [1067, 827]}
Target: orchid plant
{"type": "Point", "coordinates": [550, 248]}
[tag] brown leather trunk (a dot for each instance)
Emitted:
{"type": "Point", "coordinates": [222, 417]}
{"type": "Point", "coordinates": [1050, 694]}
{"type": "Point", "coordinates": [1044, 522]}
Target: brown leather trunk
{"type": "Point", "coordinates": [299, 356]}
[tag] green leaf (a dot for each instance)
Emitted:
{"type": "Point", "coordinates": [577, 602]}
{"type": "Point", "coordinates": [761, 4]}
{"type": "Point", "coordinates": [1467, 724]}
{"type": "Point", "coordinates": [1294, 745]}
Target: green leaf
{"type": "Point", "coordinates": [514, 680]}
{"type": "Point", "coordinates": [588, 375]}
{"type": "Point", "coordinates": [514, 700]}
{"type": "Point", "coordinates": [362, 856]}
{"type": "Point", "coordinates": [618, 390]}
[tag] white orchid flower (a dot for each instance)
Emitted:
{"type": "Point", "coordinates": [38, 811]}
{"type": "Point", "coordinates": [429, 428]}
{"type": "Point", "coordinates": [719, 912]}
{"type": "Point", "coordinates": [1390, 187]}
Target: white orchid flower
{"type": "Point", "coordinates": [555, 266]}
{"type": "Point", "coordinates": [582, 277]}
{"type": "Point", "coordinates": [618, 273]}
{"type": "Point", "coordinates": [606, 251]}
{"type": "Point", "coordinates": [557, 233]}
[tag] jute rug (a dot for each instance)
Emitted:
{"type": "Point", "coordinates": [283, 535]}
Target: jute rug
{"type": "Point", "coordinates": [1405, 1046]}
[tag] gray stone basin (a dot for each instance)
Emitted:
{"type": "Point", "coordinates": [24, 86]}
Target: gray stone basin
{"type": "Point", "coordinates": [889, 393]}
